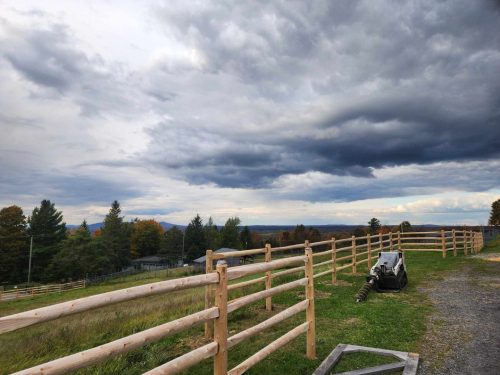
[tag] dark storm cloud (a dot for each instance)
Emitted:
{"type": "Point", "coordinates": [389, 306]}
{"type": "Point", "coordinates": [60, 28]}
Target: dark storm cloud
{"type": "Point", "coordinates": [347, 86]}
{"type": "Point", "coordinates": [49, 57]}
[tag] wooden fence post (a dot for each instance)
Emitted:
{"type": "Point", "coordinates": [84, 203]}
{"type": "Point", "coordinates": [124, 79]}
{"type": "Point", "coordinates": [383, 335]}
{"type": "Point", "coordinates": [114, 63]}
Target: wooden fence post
{"type": "Point", "coordinates": [220, 330]}
{"type": "Point", "coordinates": [269, 302]}
{"type": "Point", "coordinates": [465, 242]}
{"type": "Point", "coordinates": [209, 300]}
{"type": "Point", "coordinates": [353, 254]}
{"type": "Point", "coordinates": [369, 248]}
{"type": "Point", "coordinates": [454, 242]}
{"type": "Point", "coordinates": [334, 261]}
{"type": "Point", "coordinates": [391, 244]}
{"type": "Point", "coordinates": [474, 242]}
{"type": "Point", "coordinates": [380, 244]}
{"type": "Point", "coordinates": [399, 240]}
{"type": "Point", "coordinates": [310, 316]}
{"type": "Point", "coordinates": [443, 243]}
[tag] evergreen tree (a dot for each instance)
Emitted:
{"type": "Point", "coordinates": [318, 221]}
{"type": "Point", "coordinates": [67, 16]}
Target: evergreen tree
{"type": "Point", "coordinates": [171, 246]}
{"type": "Point", "coordinates": [116, 237]}
{"type": "Point", "coordinates": [299, 234]}
{"type": "Point", "coordinates": [212, 235]}
{"type": "Point", "coordinates": [14, 245]}
{"type": "Point", "coordinates": [80, 255]}
{"type": "Point", "coordinates": [374, 224]}
{"type": "Point", "coordinates": [195, 242]}
{"type": "Point", "coordinates": [405, 226]}
{"type": "Point", "coordinates": [495, 213]}
{"type": "Point", "coordinates": [48, 230]}
{"type": "Point", "coordinates": [246, 238]}
{"type": "Point", "coordinates": [230, 233]}
{"type": "Point", "coordinates": [46, 224]}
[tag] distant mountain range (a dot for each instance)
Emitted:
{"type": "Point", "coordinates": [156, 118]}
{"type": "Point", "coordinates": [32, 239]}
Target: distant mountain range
{"type": "Point", "coordinates": [267, 228]}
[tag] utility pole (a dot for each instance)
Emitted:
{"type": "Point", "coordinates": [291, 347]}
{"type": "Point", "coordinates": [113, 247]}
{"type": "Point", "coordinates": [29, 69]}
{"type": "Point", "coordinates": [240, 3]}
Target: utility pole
{"type": "Point", "coordinates": [29, 264]}
{"type": "Point", "coordinates": [182, 255]}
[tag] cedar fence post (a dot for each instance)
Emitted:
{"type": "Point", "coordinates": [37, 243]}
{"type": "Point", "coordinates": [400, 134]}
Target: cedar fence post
{"type": "Point", "coordinates": [380, 244]}
{"type": "Point", "coordinates": [220, 329]}
{"type": "Point", "coordinates": [369, 247]}
{"type": "Point", "coordinates": [209, 265]}
{"type": "Point", "coordinates": [310, 316]}
{"type": "Point", "coordinates": [334, 261]}
{"type": "Point", "coordinates": [391, 244]}
{"type": "Point", "coordinates": [454, 242]}
{"type": "Point", "coordinates": [465, 242]}
{"type": "Point", "coordinates": [269, 302]}
{"type": "Point", "coordinates": [353, 254]}
{"type": "Point", "coordinates": [443, 243]}
{"type": "Point", "coordinates": [399, 240]}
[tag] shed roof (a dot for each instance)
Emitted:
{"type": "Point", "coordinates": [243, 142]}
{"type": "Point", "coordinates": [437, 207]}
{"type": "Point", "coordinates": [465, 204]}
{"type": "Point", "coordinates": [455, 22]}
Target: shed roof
{"type": "Point", "coordinates": [221, 250]}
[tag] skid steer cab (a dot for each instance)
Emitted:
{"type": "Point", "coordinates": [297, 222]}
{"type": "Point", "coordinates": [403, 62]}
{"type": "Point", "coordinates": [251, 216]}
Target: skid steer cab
{"type": "Point", "coordinates": [387, 275]}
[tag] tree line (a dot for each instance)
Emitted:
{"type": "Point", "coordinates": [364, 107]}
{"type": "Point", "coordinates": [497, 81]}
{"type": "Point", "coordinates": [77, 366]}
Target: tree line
{"type": "Point", "coordinates": [62, 254]}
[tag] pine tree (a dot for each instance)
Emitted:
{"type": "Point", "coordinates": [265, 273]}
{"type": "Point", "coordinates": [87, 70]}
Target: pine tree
{"type": "Point", "coordinates": [495, 213]}
{"type": "Point", "coordinates": [195, 242]}
{"type": "Point", "coordinates": [246, 238]}
{"type": "Point", "coordinates": [80, 255]}
{"type": "Point", "coordinates": [116, 237]}
{"type": "Point", "coordinates": [374, 224]}
{"type": "Point", "coordinates": [48, 229]}
{"type": "Point", "coordinates": [14, 245]}
{"type": "Point", "coordinates": [212, 235]}
{"type": "Point", "coordinates": [230, 233]}
{"type": "Point", "coordinates": [171, 246]}
{"type": "Point", "coordinates": [46, 224]}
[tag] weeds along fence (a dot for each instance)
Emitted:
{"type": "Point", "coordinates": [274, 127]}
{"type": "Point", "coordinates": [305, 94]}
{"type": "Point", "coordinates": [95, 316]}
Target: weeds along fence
{"type": "Point", "coordinates": [336, 255]}
{"type": "Point", "coordinates": [42, 289]}
{"type": "Point", "coordinates": [218, 314]}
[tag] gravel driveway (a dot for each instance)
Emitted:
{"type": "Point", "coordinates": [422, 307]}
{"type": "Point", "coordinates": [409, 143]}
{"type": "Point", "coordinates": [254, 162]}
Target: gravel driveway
{"type": "Point", "coordinates": [463, 333]}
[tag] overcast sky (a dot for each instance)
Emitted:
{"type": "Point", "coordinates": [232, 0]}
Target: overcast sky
{"type": "Point", "coordinates": [279, 112]}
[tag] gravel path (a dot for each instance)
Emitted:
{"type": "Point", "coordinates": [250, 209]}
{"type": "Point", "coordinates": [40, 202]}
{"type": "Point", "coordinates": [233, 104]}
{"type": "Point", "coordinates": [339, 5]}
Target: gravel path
{"type": "Point", "coordinates": [463, 334]}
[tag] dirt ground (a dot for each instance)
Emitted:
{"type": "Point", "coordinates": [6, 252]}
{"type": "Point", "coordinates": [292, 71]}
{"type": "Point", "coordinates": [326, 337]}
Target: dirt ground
{"type": "Point", "coordinates": [463, 334]}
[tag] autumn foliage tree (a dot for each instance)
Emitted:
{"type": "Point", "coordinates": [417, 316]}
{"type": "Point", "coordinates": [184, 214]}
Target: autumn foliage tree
{"type": "Point", "coordinates": [146, 238]}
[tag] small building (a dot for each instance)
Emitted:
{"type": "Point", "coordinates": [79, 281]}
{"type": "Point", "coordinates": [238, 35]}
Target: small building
{"type": "Point", "coordinates": [149, 263]}
{"type": "Point", "coordinates": [236, 261]}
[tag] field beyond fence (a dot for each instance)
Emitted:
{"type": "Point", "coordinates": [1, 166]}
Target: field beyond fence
{"type": "Point", "coordinates": [307, 260]}
{"type": "Point", "coordinates": [42, 289]}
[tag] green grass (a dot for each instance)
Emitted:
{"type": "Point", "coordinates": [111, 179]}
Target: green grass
{"type": "Point", "coordinates": [391, 321]}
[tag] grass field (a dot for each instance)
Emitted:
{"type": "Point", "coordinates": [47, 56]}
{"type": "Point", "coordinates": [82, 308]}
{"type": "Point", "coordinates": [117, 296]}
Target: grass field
{"type": "Point", "coordinates": [392, 321]}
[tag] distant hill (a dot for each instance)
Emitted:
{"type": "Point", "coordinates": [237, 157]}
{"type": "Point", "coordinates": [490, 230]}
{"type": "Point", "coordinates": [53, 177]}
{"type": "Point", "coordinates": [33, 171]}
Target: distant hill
{"type": "Point", "coordinates": [95, 226]}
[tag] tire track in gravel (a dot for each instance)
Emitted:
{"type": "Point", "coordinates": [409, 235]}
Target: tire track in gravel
{"type": "Point", "coordinates": [463, 332]}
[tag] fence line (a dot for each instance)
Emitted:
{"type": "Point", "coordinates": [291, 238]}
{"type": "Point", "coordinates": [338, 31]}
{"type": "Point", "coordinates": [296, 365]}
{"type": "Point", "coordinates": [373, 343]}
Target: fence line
{"type": "Point", "coordinates": [218, 348]}
{"type": "Point", "coordinates": [360, 250]}
{"type": "Point", "coordinates": [42, 289]}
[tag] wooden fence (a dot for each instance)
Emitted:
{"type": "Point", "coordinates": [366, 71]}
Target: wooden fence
{"type": "Point", "coordinates": [218, 314]}
{"type": "Point", "coordinates": [332, 258]}
{"type": "Point", "coordinates": [217, 284]}
{"type": "Point", "coordinates": [42, 289]}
